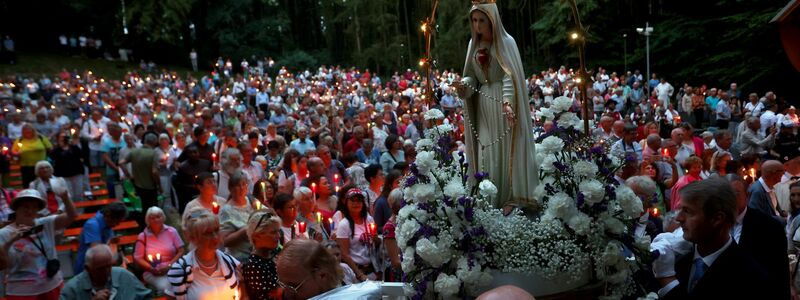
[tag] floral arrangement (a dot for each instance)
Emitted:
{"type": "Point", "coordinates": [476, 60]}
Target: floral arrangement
{"type": "Point", "coordinates": [451, 236]}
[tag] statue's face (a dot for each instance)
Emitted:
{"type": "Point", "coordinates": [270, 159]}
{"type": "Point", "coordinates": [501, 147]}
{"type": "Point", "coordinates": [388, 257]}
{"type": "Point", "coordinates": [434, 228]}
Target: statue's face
{"type": "Point", "coordinates": [481, 25]}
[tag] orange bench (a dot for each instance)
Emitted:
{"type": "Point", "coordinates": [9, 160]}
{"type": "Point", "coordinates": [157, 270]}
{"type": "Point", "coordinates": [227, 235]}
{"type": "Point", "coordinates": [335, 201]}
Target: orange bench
{"type": "Point", "coordinates": [90, 203]}
{"type": "Point", "coordinates": [122, 226]}
{"type": "Point", "coordinates": [123, 240]}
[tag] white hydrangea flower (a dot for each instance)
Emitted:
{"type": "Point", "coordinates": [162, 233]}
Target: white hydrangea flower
{"type": "Point", "coordinates": [561, 206]}
{"type": "Point", "coordinates": [487, 188]}
{"type": "Point", "coordinates": [613, 225]}
{"type": "Point", "coordinates": [408, 260]}
{"type": "Point", "coordinates": [407, 230]}
{"type": "Point", "coordinates": [454, 188]}
{"type": "Point", "coordinates": [561, 104]}
{"type": "Point", "coordinates": [629, 201]}
{"type": "Point", "coordinates": [445, 128]}
{"type": "Point", "coordinates": [551, 144]}
{"type": "Point", "coordinates": [584, 169]}
{"type": "Point", "coordinates": [546, 114]}
{"type": "Point", "coordinates": [642, 242]}
{"type": "Point", "coordinates": [426, 161]}
{"type": "Point", "coordinates": [430, 253]}
{"type": "Point", "coordinates": [425, 144]}
{"type": "Point", "coordinates": [568, 119]}
{"type": "Point", "coordinates": [447, 285]}
{"type": "Point", "coordinates": [547, 163]}
{"type": "Point", "coordinates": [581, 223]}
{"type": "Point", "coordinates": [592, 190]}
{"type": "Point", "coordinates": [434, 114]}
{"type": "Point", "coordinates": [615, 160]}
{"type": "Point", "coordinates": [423, 192]}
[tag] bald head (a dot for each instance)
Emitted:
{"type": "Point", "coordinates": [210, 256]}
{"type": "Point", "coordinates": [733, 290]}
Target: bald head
{"type": "Point", "coordinates": [506, 292]}
{"type": "Point", "coordinates": [771, 172]}
{"type": "Point", "coordinates": [677, 135]}
{"type": "Point", "coordinates": [619, 127]}
{"type": "Point", "coordinates": [654, 141]}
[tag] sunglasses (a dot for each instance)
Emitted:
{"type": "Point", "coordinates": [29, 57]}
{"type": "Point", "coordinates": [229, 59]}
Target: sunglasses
{"type": "Point", "coordinates": [260, 220]}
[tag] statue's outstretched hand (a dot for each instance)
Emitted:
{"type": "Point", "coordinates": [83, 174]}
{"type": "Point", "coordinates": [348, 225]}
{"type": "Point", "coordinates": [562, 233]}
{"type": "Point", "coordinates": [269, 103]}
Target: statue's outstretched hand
{"type": "Point", "coordinates": [509, 113]}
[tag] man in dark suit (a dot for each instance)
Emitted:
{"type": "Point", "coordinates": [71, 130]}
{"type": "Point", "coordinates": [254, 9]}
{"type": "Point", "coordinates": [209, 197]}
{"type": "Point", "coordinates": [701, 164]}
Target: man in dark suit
{"type": "Point", "coordinates": [717, 268]}
{"type": "Point", "coordinates": [762, 195]}
{"type": "Point", "coordinates": [762, 238]}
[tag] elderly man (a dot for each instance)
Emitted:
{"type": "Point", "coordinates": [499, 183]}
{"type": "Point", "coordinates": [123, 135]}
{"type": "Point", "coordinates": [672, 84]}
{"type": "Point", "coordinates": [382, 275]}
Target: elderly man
{"type": "Point", "coordinates": [648, 223]}
{"type": "Point", "coordinates": [302, 144]}
{"type": "Point", "coordinates": [306, 269]}
{"type": "Point", "coordinates": [231, 164]}
{"type": "Point", "coordinates": [762, 195]}
{"type": "Point", "coordinates": [103, 281]}
{"type": "Point", "coordinates": [331, 166]}
{"type": "Point", "coordinates": [751, 143]}
{"type": "Point", "coordinates": [684, 150]}
{"type": "Point", "coordinates": [718, 268]}
{"type": "Point", "coordinates": [604, 130]}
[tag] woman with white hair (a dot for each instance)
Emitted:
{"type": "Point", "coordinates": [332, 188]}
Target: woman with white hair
{"type": "Point", "coordinates": [157, 248]}
{"type": "Point", "coordinates": [205, 272]}
{"type": "Point", "coordinates": [649, 223]}
{"type": "Point", "coordinates": [259, 272]}
{"type": "Point", "coordinates": [50, 187]}
{"type": "Point", "coordinates": [166, 155]}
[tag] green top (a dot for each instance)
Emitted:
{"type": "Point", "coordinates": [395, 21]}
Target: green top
{"type": "Point", "coordinates": [32, 150]}
{"type": "Point", "coordinates": [144, 162]}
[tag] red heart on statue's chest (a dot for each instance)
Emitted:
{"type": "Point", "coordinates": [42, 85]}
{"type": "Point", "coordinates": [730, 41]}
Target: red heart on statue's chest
{"type": "Point", "coordinates": [483, 57]}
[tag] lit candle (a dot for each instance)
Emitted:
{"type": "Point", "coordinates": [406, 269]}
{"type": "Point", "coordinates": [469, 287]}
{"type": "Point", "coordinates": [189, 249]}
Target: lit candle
{"type": "Point", "coordinates": [264, 190]}
{"type": "Point", "coordinates": [215, 207]}
{"type": "Point", "coordinates": [372, 229]}
{"type": "Point", "coordinates": [335, 178]}
{"type": "Point", "coordinates": [336, 188]}
{"type": "Point", "coordinates": [150, 257]}
{"type": "Point", "coordinates": [258, 204]}
{"type": "Point", "coordinates": [270, 175]}
{"type": "Point", "coordinates": [333, 226]}
{"type": "Point", "coordinates": [158, 258]}
{"type": "Point", "coordinates": [319, 217]}
{"type": "Point", "coordinates": [314, 188]}
{"type": "Point", "coordinates": [654, 211]}
{"type": "Point", "coordinates": [302, 227]}
{"type": "Point", "coordinates": [753, 173]}
{"type": "Point", "coordinates": [214, 157]}
{"type": "Point", "coordinates": [665, 152]}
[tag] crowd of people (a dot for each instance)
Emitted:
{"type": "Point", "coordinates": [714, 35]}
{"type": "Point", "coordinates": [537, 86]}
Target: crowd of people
{"type": "Point", "coordinates": [307, 165]}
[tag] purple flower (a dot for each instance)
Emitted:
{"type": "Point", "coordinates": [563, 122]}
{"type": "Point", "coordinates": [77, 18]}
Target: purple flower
{"type": "Point", "coordinates": [411, 180]}
{"type": "Point", "coordinates": [580, 199]}
{"type": "Point", "coordinates": [480, 176]}
{"type": "Point", "coordinates": [469, 213]}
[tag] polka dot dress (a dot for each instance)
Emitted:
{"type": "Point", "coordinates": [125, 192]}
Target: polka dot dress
{"type": "Point", "coordinates": [260, 277]}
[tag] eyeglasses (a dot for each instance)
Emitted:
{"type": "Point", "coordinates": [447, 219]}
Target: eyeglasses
{"type": "Point", "coordinates": [294, 289]}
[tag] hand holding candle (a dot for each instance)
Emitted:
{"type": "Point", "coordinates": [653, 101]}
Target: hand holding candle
{"type": "Point", "coordinates": [373, 230]}
{"type": "Point", "coordinates": [215, 207]}
{"type": "Point", "coordinates": [302, 227]}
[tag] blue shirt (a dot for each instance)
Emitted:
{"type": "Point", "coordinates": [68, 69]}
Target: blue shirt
{"type": "Point", "coordinates": [712, 102]}
{"type": "Point", "coordinates": [374, 156]}
{"type": "Point", "coordinates": [262, 98]}
{"type": "Point", "coordinates": [303, 147]}
{"type": "Point", "coordinates": [112, 149]}
{"type": "Point", "coordinates": [278, 119]}
{"type": "Point", "coordinates": [94, 230]}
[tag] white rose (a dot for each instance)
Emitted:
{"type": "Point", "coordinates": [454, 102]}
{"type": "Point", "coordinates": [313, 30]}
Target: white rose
{"type": "Point", "coordinates": [629, 201]}
{"type": "Point", "coordinates": [584, 169]}
{"type": "Point", "coordinates": [430, 253]}
{"type": "Point", "coordinates": [426, 161]}
{"type": "Point", "coordinates": [580, 222]}
{"type": "Point", "coordinates": [447, 285]}
{"type": "Point", "coordinates": [592, 190]}
{"type": "Point", "coordinates": [551, 144]}
{"type": "Point", "coordinates": [561, 206]}
{"type": "Point", "coordinates": [454, 188]}
{"type": "Point", "coordinates": [487, 188]}
{"type": "Point", "coordinates": [434, 114]}
{"type": "Point", "coordinates": [561, 104]}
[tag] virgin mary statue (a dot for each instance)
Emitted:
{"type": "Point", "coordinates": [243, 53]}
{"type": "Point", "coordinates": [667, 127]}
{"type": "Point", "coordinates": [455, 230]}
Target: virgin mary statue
{"type": "Point", "coordinates": [499, 135]}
